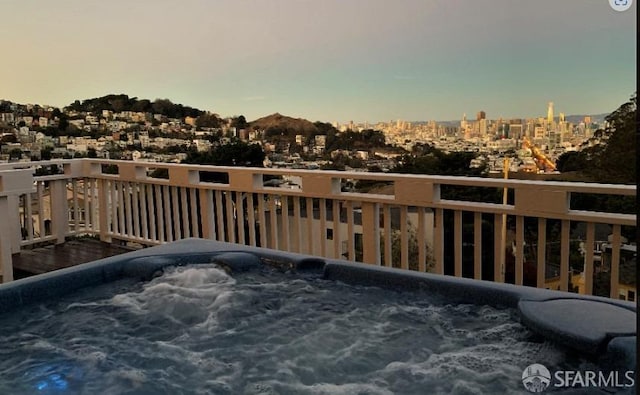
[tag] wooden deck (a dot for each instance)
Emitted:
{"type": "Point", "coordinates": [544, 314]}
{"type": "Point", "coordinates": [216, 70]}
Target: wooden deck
{"type": "Point", "coordinates": [53, 257]}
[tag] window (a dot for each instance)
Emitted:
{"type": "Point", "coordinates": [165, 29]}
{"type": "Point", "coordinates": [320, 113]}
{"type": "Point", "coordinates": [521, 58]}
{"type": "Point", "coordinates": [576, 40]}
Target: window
{"type": "Point", "coordinates": [631, 296]}
{"type": "Point", "coordinates": [329, 234]}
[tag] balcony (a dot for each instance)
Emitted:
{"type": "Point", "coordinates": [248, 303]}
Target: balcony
{"type": "Point", "coordinates": [407, 221]}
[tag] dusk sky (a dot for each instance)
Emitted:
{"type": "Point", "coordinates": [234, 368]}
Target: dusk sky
{"type": "Point", "coordinates": [327, 60]}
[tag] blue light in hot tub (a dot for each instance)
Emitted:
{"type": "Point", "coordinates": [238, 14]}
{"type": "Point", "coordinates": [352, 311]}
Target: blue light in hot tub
{"type": "Point", "coordinates": [53, 381]}
{"type": "Point", "coordinates": [54, 378]}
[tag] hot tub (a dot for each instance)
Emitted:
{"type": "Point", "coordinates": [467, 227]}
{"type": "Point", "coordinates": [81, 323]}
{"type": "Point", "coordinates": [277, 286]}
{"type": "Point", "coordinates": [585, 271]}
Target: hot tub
{"type": "Point", "coordinates": [198, 316]}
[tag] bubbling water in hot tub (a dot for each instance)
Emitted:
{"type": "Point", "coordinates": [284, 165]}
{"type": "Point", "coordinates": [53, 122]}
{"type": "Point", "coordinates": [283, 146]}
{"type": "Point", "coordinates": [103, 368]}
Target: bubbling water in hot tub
{"type": "Point", "coordinates": [197, 329]}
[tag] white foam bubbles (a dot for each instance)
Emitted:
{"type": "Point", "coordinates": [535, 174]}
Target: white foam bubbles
{"type": "Point", "coordinates": [182, 295]}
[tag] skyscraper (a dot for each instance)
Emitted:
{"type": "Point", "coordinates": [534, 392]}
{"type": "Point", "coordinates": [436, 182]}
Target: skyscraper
{"type": "Point", "coordinates": [481, 115]}
{"type": "Point", "coordinates": [483, 127]}
{"type": "Point", "coordinates": [550, 114]}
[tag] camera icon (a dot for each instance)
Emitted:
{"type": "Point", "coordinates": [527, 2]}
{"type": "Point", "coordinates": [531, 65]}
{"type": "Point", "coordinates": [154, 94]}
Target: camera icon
{"type": "Point", "coordinates": [620, 5]}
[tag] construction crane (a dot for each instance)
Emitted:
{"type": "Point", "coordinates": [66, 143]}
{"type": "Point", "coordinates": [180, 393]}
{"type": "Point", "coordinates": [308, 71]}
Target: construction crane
{"type": "Point", "coordinates": [541, 160]}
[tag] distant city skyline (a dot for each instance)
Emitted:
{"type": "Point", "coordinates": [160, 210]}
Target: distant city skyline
{"type": "Point", "coordinates": [360, 60]}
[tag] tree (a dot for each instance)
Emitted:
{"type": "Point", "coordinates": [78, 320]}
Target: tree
{"type": "Point", "coordinates": [63, 123]}
{"type": "Point", "coordinates": [613, 159]}
{"type": "Point", "coordinates": [617, 159]}
{"type": "Point", "coordinates": [437, 162]}
{"type": "Point", "coordinates": [9, 138]}
{"type": "Point", "coordinates": [208, 120]}
{"type": "Point", "coordinates": [45, 153]}
{"type": "Point", "coordinates": [572, 161]}
{"type": "Point", "coordinates": [239, 122]}
{"type": "Point", "coordinates": [15, 153]}
{"type": "Point", "coordinates": [235, 153]}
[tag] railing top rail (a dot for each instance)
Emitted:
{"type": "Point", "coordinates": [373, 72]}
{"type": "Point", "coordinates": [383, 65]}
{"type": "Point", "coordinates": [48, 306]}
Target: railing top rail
{"type": "Point", "coordinates": [580, 187]}
{"type": "Point", "coordinates": [78, 171]}
{"type": "Point", "coordinates": [27, 165]}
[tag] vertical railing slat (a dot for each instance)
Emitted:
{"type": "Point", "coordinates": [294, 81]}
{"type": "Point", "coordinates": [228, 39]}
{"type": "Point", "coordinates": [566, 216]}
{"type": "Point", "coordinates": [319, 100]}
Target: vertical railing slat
{"type": "Point", "coordinates": [76, 208]}
{"type": "Point", "coordinates": [87, 200]}
{"type": "Point", "coordinates": [477, 245]}
{"type": "Point", "coordinates": [95, 205]}
{"type": "Point", "coordinates": [121, 209]}
{"type": "Point", "coordinates": [41, 210]}
{"type": "Point", "coordinates": [310, 238]}
{"type": "Point", "coordinates": [28, 216]}
{"type": "Point", "coordinates": [184, 213]}
{"type": "Point", "coordinates": [159, 208]}
{"type": "Point", "coordinates": [564, 256]}
{"type": "Point", "coordinates": [323, 227]}
{"type": "Point", "coordinates": [422, 242]}
{"type": "Point", "coordinates": [166, 213]}
{"type": "Point", "coordinates": [112, 208]}
{"type": "Point", "coordinates": [144, 211]}
{"type": "Point", "coordinates": [128, 195]}
{"type": "Point", "coordinates": [284, 215]}
{"type": "Point", "coordinates": [151, 212]}
{"type": "Point", "coordinates": [297, 228]}
{"type": "Point", "coordinates": [240, 217]}
{"type": "Point", "coordinates": [404, 238]}
{"type": "Point", "coordinates": [193, 206]}
{"type": "Point", "coordinates": [175, 219]}
{"type": "Point", "coordinates": [457, 236]}
{"type": "Point", "coordinates": [541, 252]}
{"type": "Point", "coordinates": [231, 220]}
{"type": "Point", "coordinates": [616, 244]}
{"type": "Point", "coordinates": [222, 235]}
{"type": "Point", "coordinates": [588, 258]}
{"type": "Point", "coordinates": [337, 241]}
{"type": "Point", "coordinates": [262, 217]}
{"type": "Point", "coordinates": [388, 254]}
{"type": "Point", "coordinates": [498, 248]}
{"type": "Point", "coordinates": [251, 219]}
{"type": "Point", "coordinates": [351, 247]}
{"type": "Point", "coordinates": [135, 202]}
{"type": "Point", "coordinates": [519, 269]}
{"type": "Point", "coordinates": [438, 241]}
{"type": "Point", "coordinates": [274, 223]}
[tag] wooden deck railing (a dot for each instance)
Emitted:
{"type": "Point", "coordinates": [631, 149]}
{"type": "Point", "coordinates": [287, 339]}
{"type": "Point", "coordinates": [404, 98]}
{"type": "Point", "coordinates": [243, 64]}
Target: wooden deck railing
{"type": "Point", "coordinates": [408, 223]}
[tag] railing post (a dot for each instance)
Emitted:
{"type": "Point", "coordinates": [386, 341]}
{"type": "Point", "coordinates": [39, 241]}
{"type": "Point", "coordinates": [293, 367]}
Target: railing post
{"type": "Point", "coordinates": [13, 218]}
{"type": "Point", "coordinates": [103, 211]}
{"type": "Point", "coordinates": [59, 210]}
{"type": "Point", "coordinates": [5, 242]}
{"type": "Point", "coordinates": [371, 233]}
{"type": "Point", "coordinates": [207, 215]}
{"type": "Point", "coordinates": [13, 183]}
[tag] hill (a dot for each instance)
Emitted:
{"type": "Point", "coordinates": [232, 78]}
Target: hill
{"type": "Point", "coordinates": [122, 102]}
{"type": "Point", "coordinates": [278, 124]}
{"type": "Point", "coordinates": [599, 118]}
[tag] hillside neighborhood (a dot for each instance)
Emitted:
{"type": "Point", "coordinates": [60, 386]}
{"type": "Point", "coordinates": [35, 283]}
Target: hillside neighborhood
{"type": "Point", "coordinates": [110, 128]}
